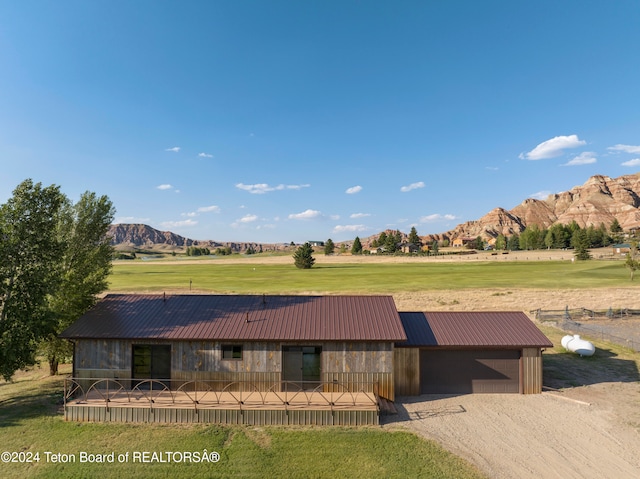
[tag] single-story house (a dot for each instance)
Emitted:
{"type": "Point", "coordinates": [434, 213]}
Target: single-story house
{"type": "Point", "coordinates": [461, 241]}
{"type": "Point", "coordinates": [272, 359]}
{"type": "Point", "coordinates": [246, 343]}
{"type": "Point", "coordinates": [469, 352]}
{"type": "Point", "coordinates": [621, 249]}
{"type": "Point", "coordinates": [409, 248]}
{"type": "Point", "coordinates": [316, 243]}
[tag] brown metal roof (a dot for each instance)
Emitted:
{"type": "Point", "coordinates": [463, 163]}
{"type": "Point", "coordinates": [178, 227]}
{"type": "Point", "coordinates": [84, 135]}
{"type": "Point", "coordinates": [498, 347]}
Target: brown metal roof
{"type": "Point", "coordinates": [472, 329]}
{"type": "Point", "coordinates": [241, 317]}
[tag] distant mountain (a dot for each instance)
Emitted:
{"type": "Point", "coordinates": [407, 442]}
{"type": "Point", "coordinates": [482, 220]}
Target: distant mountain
{"type": "Point", "coordinates": [132, 236]}
{"type": "Point", "coordinates": [600, 200]}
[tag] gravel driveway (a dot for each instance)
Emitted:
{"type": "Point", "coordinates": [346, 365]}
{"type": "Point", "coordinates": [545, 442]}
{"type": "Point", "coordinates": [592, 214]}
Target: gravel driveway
{"type": "Point", "coordinates": [585, 433]}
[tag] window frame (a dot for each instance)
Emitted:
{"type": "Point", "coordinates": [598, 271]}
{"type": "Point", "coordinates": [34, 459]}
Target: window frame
{"type": "Point", "coordinates": [234, 349]}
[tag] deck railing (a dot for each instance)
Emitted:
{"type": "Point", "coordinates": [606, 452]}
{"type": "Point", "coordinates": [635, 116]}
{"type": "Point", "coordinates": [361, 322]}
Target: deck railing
{"type": "Point", "coordinates": [201, 394]}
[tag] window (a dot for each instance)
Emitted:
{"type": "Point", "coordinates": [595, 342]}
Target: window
{"type": "Point", "coordinates": [151, 361]}
{"type": "Point", "coordinates": [232, 351]}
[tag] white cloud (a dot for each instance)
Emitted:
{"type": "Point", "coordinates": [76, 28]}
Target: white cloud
{"type": "Point", "coordinates": [634, 162]}
{"type": "Point", "coordinates": [491, 168]}
{"type": "Point", "coordinates": [267, 226]}
{"type": "Point", "coordinates": [334, 217]}
{"type": "Point", "coordinates": [175, 149]}
{"type": "Point", "coordinates": [209, 209]}
{"type": "Point", "coordinates": [553, 147]}
{"type": "Point", "coordinates": [412, 186]}
{"type": "Point", "coordinates": [262, 188]}
{"type": "Point", "coordinates": [541, 195]}
{"type": "Point", "coordinates": [353, 190]}
{"type": "Point", "coordinates": [248, 218]}
{"type": "Point", "coordinates": [584, 158]}
{"type": "Point", "coordinates": [305, 215]}
{"type": "Point", "coordinates": [436, 217]}
{"type": "Point", "coordinates": [178, 224]}
{"type": "Point", "coordinates": [349, 228]}
{"type": "Point", "coordinates": [192, 214]}
{"type": "Point", "coordinates": [164, 187]}
{"type": "Point", "coordinates": [359, 215]}
{"type": "Point", "coordinates": [205, 155]}
{"type": "Point", "coordinates": [625, 148]}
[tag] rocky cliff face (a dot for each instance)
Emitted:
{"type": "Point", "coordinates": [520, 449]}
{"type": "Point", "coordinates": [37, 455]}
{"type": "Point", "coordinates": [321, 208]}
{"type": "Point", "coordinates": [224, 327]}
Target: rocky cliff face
{"type": "Point", "coordinates": [144, 236]}
{"type": "Point", "coordinates": [599, 200]}
{"type": "Point", "coordinates": [138, 235]}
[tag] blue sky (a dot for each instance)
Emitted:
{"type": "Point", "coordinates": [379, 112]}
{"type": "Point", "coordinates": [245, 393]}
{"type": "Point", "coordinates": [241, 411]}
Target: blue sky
{"type": "Point", "coordinates": [278, 121]}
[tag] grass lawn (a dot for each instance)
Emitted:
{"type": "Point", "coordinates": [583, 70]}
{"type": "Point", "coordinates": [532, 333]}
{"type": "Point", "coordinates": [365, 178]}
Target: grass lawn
{"type": "Point", "coordinates": [31, 422]}
{"type": "Point", "coordinates": [364, 278]}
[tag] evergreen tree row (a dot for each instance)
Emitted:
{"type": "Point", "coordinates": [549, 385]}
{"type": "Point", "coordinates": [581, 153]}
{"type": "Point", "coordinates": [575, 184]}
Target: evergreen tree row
{"type": "Point", "coordinates": [561, 236]}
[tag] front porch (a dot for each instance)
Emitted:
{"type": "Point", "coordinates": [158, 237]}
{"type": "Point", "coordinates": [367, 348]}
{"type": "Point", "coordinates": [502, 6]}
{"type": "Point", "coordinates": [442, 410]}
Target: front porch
{"type": "Point", "coordinates": [225, 402]}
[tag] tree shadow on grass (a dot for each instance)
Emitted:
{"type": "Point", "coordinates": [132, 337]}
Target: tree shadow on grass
{"type": "Point", "coordinates": [40, 399]}
{"type": "Point", "coordinates": [568, 370]}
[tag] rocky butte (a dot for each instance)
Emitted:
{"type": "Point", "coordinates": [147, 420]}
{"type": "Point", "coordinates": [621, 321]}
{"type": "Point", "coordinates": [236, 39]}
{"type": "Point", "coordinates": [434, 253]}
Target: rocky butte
{"type": "Point", "coordinates": [599, 200]}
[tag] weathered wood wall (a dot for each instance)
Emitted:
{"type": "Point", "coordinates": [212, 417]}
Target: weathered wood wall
{"type": "Point", "coordinates": [355, 364]}
{"type": "Point", "coordinates": [406, 364]}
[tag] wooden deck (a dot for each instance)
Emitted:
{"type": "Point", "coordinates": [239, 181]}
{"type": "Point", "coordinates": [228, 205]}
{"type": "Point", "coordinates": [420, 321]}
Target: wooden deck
{"type": "Point", "coordinates": [317, 407]}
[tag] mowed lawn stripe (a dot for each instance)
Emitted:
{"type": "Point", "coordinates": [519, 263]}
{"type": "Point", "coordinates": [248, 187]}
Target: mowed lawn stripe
{"type": "Point", "coordinates": [365, 278]}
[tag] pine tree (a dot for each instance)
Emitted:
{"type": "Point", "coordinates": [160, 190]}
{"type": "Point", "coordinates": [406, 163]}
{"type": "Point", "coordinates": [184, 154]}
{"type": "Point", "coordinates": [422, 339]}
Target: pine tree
{"type": "Point", "coordinates": [303, 257]}
{"type": "Point", "coordinates": [580, 242]}
{"type": "Point", "coordinates": [329, 247]}
{"type": "Point", "coordinates": [357, 246]}
{"type": "Point", "coordinates": [413, 237]}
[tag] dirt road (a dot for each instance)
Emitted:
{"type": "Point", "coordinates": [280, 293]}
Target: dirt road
{"type": "Point", "coordinates": [576, 434]}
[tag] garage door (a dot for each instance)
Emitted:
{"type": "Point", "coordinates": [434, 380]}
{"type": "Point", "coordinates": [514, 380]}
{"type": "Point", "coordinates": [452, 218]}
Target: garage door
{"type": "Point", "coordinates": [465, 372]}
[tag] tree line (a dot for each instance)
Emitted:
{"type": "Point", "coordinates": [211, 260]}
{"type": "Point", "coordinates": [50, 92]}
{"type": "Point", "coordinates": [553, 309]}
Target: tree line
{"type": "Point", "coordinates": [559, 236]}
{"type": "Point", "coordinates": [55, 258]}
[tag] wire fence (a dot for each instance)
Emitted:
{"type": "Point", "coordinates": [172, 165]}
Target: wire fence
{"type": "Point", "coordinates": [572, 321]}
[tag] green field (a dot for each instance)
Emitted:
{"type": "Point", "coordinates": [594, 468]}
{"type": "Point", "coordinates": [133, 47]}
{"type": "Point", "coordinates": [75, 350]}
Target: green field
{"type": "Point", "coordinates": [30, 407]}
{"type": "Point", "coordinates": [364, 278]}
{"type": "Point", "coordinates": [31, 421]}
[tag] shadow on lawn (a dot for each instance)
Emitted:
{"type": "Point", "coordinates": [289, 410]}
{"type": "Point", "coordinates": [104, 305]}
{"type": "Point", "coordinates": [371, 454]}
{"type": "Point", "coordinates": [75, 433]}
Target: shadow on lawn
{"type": "Point", "coordinates": [37, 400]}
{"type": "Point", "coordinates": [567, 370]}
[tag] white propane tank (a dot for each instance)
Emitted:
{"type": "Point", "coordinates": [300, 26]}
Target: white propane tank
{"type": "Point", "coordinates": [577, 345]}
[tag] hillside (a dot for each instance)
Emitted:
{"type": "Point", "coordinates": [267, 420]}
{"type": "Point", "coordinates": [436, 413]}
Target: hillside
{"type": "Point", "coordinates": [140, 236]}
{"type": "Point", "coordinates": [599, 200]}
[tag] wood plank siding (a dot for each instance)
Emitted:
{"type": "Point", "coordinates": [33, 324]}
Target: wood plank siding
{"type": "Point", "coordinates": [531, 376]}
{"type": "Point", "coordinates": [355, 365]}
{"type": "Point", "coordinates": [407, 371]}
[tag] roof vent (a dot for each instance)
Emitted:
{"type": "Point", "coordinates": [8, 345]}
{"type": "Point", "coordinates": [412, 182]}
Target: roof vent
{"type": "Point", "coordinates": [247, 318]}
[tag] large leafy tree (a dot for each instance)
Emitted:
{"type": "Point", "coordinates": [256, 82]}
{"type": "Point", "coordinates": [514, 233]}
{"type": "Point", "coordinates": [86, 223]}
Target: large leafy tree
{"type": "Point", "coordinates": [30, 250]}
{"type": "Point", "coordinates": [84, 267]}
{"type": "Point", "coordinates": [303, 257]}
{"type": "Point", "coordinates": [54, 260]}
